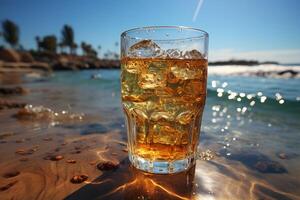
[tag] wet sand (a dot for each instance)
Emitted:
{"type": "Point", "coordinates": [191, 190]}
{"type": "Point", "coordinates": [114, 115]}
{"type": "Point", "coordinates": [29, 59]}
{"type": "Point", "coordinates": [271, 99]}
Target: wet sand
{"type": "Point", "coordinates": [42, 167]}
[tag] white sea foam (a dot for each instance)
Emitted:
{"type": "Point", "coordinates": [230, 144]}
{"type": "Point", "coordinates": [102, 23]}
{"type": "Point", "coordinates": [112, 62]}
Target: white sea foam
{"type": "Point", "coordinates": [265, 70]}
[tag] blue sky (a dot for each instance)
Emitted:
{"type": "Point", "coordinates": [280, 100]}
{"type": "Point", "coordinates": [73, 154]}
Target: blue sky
{"type": "Point", "coordinates": [251, 29]}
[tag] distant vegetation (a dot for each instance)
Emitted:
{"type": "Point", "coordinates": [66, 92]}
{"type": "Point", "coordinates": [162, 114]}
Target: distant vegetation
{"type": "Point", "coordinates": [241, 62]}
{"type": "Point", "coordinates": [68, 39]}
{"type": "Point", "coordinates": [10, 33]}
{"type": "Point", "coordinates": [50, 44]}
{"type": "Point", "coordinates": [88, 50]}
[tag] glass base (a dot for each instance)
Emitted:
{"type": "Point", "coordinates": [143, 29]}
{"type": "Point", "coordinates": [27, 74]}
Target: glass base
{"type": "Point", "coordinates": [161, 167]}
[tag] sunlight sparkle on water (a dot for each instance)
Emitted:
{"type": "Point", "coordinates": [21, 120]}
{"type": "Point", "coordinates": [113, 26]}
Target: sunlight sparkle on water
{"type": "Point", "coordinates": [232, 95]}
{"type": "Point", "coordinates": [242, 94]}
{"type": "Point", "coordinates": [278, 96]}
{"type": "Point", "coordinates": [269, 125]}
{"type": "Point", "coordinates": [250, 96]}
{"type": "Point", "coordinates": [214, 84]}
{"type": "Point", "coordinates": [244, 109]}
{"type": "Point", "coordinates": [281, 101]}
{"type": "Point", "coordinates": [216, 108]}
{"type": "Point", "coordinates": [224, 84]}
{"type": "Point", "coordinates": [220, 90]}
{"type": "Point", "coordinates": [263, 99]}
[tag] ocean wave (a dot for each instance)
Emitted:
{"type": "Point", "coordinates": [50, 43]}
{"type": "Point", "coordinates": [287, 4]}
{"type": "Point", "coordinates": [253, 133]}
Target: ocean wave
{"type": "Point", "coordinates": [264, 70]}
{"type": "Point", "coordinates": [277, 103]}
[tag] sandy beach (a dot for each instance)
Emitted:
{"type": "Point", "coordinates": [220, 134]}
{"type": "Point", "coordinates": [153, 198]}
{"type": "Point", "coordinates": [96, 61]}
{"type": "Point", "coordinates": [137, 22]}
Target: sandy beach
{"type": "Point", "coordinates": [74, 146]}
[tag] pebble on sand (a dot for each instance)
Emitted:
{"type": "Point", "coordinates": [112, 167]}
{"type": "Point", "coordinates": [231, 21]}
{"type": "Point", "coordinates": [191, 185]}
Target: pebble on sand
{"type": "Point", "coordinates": [6, 134]}
{"type": "Point", "coordinates": [23, 159]}
{"type": "Point", "coordinates": [107, 165]}
{"type": "Point", "coordinates": [79, 178]}
{"type": "Point", "coordinates": [269, 167]}
{"type": "Point", "coordinates": [53, 157]}
{"type": "Point", "coordinates": [20, 141]}
{"type": "Point", "coordinates": [24, 152]}
{"type": "Point", "coordinates": [71, 161]}
{"type": "Point", "coordinates": [282, 156]}
{"type": "Point", "coordinates": [48, 139]}
{"type": "Point", "coordinates": [93, 162]}
{"type": "Point", "coordinates": [9, 104]}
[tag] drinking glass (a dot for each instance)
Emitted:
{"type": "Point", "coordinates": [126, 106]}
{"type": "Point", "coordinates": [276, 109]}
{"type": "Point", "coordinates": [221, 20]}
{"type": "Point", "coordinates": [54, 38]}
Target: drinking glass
{"type": "Point", "coordinates": [163, 90]}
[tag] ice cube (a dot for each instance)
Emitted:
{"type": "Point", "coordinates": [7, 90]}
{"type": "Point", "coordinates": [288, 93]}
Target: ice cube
{"type": "Point", "coordinates": [132, 67]}
{"type": "Point", "coordinates": [185, 117]}
{"type": "Point", "coordinates": [165, 133]}
{"type": "Point", "coordinates": [154, 76]}
{"type": "Point", "coordinates": [156, 116]}
{"type": "Point", "coordinates": [140, 114]}
{"type": "Point", "coordinates": [130, 88]}
{"type": "Point", "coordinates": [194, 88]}
{"type": "Point", "coordinates": [193, 54]}
{"type": "Point", "coordinates": [174, 53]}
{"type": "Point", "coordinates": [188, 72]}
{"type": "Point", "coordinates": [151, 80]}
{"type": "Point", "coordinates": [146, 49]}
{"type": "Point", "coordinates": [183, 73]}
{"type": "Point", "coordinates": [165, 92]}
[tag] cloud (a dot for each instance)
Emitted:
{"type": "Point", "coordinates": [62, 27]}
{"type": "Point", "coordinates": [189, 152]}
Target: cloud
{"type": "Point", "coordinates": [282, 56]}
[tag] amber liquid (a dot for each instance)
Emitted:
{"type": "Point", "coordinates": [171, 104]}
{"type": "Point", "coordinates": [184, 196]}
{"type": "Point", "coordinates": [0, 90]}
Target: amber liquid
{"type": "Point", "coordinates": [163, 100]}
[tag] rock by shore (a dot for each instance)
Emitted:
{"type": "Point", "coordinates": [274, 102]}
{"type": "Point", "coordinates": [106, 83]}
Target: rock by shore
{"type": "Point", "coordinates": [12, 60]}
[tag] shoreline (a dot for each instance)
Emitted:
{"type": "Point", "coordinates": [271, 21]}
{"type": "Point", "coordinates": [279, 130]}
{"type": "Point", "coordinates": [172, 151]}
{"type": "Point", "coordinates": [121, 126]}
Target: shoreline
{"type": "Point", "coordinates": [56, 156]}
{"type": "Point", "coordinates": [43, 63]}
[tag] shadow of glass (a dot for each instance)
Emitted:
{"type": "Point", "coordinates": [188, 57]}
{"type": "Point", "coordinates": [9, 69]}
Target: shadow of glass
{"type": "Point", "coordinates": [131, 184]}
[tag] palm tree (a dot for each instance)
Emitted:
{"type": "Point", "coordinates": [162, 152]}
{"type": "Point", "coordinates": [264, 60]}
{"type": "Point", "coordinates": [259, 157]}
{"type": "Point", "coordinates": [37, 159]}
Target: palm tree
{"type": "Point", "coordinates": [49, 43]}
{"type": "Point", "coordinates": [88, 50]}
{"type": "Point", "coordinates": [68, 37]}
{"type": "Point", "coordinates": [83, 46]}
{"type": "Point", "coordinates": [11, 33]}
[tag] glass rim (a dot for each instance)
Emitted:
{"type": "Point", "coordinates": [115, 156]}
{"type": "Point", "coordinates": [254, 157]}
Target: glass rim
{"type": "Point", "coordinates": [203, 34]}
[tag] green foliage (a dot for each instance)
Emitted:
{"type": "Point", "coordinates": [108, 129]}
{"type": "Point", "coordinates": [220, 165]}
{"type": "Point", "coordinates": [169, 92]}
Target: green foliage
{"type": "Point", "coordinates": [48, 43]}
{"type": "Point", "coordinates": [88, 50]}
{"type": "Point", "coordinates": [68, 38]}
{"type": "Point", "coordinates": [10, 33]}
